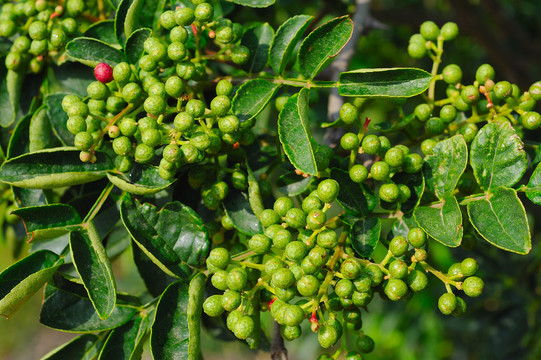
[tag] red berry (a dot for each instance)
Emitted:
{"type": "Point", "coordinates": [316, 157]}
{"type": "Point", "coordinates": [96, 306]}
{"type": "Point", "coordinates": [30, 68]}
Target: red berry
{"type": "Point", "coordinates": [103, 73]}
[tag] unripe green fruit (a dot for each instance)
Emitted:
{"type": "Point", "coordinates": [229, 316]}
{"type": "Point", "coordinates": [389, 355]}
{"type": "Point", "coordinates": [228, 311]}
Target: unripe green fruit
{"type": "Point", "coordinates": [503, 89]}
{"type": "Point", "coordinates": [171, 153]}
{"type": "Point", "coordinates": [37, 30]}
{"type": "Point", "coordinates": [155, 105]}
{"type": "Point", "coordinates": [350, 269]}
{"type": "Point", "coordinates": [349, 113]}
{"type": "Point", "coordinates": [167, 19]}
{"type": "Point", "coordinates": [473, 286]}
{"type": "Point", "coordinates": [78, 109]}
{"type": "Point", "coordinates": [310, 203]}
{"type": "Point", "coordinates": [470, 94]}
{"type": "Point", "coordinates": [365, 344]}
{"type": "Point", "coordinates": [316, 219]}
{"type": "Point", "coordinates": [535, 91]}
{"type": "Point", "coordinates": [224, 34]}
{"type": "Point", "coordinates": [427, 146]}
{"type": "Point", "coordinates": [148, 63]}
{"type": "Point", "coordinates": [128, 127]}
{"type": "Point", "coordinates": [293, 315]}
{"type": "Point", "coordinates": [21, 44]}
{"type": "Point", "coordinates": [131, 92]}
{"type": "Point", "coordinates": [448, 113]}
{"type": "Point", "coordinates": [371, 144]}
{"type": "Point", "coordinates": [375, 273]}
{"type": "Point", "coordinates": [531, 120]}
{"type": "Point", "coordinates": [416, 50]}
{"type": "Point", "coordinates": [240, 55]}
{"type": "Point", "coordinates": [269, 217]}
{"type": "Point", "coordinates": [143, 153]}
{"type": "Point", "coordinates": [244, 327]}
{"type": "Point", "coordinates": [282, 205]}
{"type": "Point", "coordinates": [220, 105]}
{"type": "Point", "coordinates": [429, 30]}
{"type": "Point", "coordinates": [83, 141]}
{"type": "Point", "coordinates": [231, 300]}
{"type": "Point", "coordinates": [295, 251]}
{"type": "Point", "coordinates": [413, 163]}
{"type": "Point", "coordinates": [290, 333]}
{"type": "Point", "coordinates": [460, 307]}
{"type": "Point", "coordinates": [237, 279]}
{"type": "Point", "coordinates": [349, 142]}
{"type": "Point", "coordinates": [398, 246]}
{"type": "Point", "coordinates": [327, 239]}
{"type": "Point", "coordinates": [232, 319]}
{"type": "Point", "coordinates": [435, 126]}
{"type": "Point", "coordinates": [395, 289]}
{"type": "Point", "coordinates": [184, 16]}
{"type": "Point", "coordinates": [283, 278]}
{"type": "Point", "coordinates": [76, 124]}
{"type": "Point", "coordinates": [122, 145]}
{"type": "Point", "coordinates": [318, 256]}
{"type": "Point", "coordinates": [57, 38]}
{"type": "Point", "coordinates": [296, 218]}
{"type": "Point", "coordinates": [417, 280]}
{"type": "Point", "coordinates": [259, 244]}
{"type": "Point", "coordinates": [327, 336]}
{"type": "Point", "coordinates": [447, 303]}
{"type": "Point", "coordinates": [394, 157]}
{"type": "Point", "coordinates": [380, 171]}
{"type": "Point", "coordinates": [98, 91]}
{"type": "Point", "coordinates": [469, 266]}
{"type": "Point", "coordinates": [328, 190]}
{"type": "Point", "coordinates": [219, 257]}
{"type": "Point", "coordinates": [452, 74]}
{"type": "Point", "coordinates": [213, 306]}
{"type": "Point", "coordinates": [195, 107]}
{"type": "Point", "coordinates": [416, 237]}
{"type": "Point", "coordinates": [176, 51]}
{"type": "Point", "coordinates": [272, 265]}
{"type": "Point", "coordinates": [183, 122]}
{"type": "Point", "coordinates": [204, 12]}
{"type": "Point", "coordinates": [239, 180]}
{"type": "Point", "coordinates": [114, 104]}
{"type": "Point", "coordinates": [389, 192]}
{"type": "Point", "coordinates": [422, 112]}
{"type": "Point", "coordinates": [449, 31]}
{"type": "Point", "coordinates": [455, 271]}
{"type": "Point", "coordinates": [484, 72]}
{"type": "Point", "coordinates": [75, 7]}
{"type": "Point", "coordinates": [358, 173]}
{"type": "Point", "coordinates": [398, 269]}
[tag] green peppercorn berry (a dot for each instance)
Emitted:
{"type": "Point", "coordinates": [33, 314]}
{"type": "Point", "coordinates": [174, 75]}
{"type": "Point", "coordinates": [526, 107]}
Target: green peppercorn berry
{"type": "Point", "coordinates": [473, 286]}
{"type": "Point", "coordinates": [327, 239]}
{"type": "Point", "coordinates": [143, 153]}
{"type": "Point", "coordinates": [344, 288]}
{"type": "Point", "coordinates": [237, 278]}
{"type": "Point", "coordinates": [283, 278]}
{"type": "Point", "coordinates": [460, 308]}
{"type": "Point", "coordinates": [503, 89]}
{"type": "Point", "coordinates": [484, 72]}
{"type": "Point", "coordinates": [127, 126]}
{"type": "Point", "coordinates": [290, 333]}
{"type": "Point", "coordinates": [83, 141]}
{"type": "Point", "coordinates": [167, 19]}
{"type": "Point", "coordinates": [389, 192]}
{"type": "Point", "coordinates": [350, 141]}
{"type": "Point", "coordinates": [239, 180]}
{"type": "Point", "coordinates": [307, 267]}
{"type": "Point", "coordinates": [350, 269]}
{"type": "Point", "coordinates": [461, 105]}
{"type": "Point", "coordinates": [213, 305]}
{"type": "Point", "coordinates": [240, 55]}
{"type": "Point", "coordinates": [74, 7]}
{"type": "Point", "coordinates": [469, 266]}
{"type": "Point", "coordinates": [448, 113]}
{"type": "Point", "coordinates": [231, 300]}
{"type": "Point", "coordinates": [183, 122]}
{"type": "Point", "coordinates": [57, 38]}
{"type": "Point", "coordinates": [8, 28]}
{"type": "Point", "coordinates": [413, 163]}
{"type": "Point", "coordinates": [155, 105]}
{"type": "Point", "coordinates": [123, 163]}
{"type": "Point", "coordinates": [416, 50]}
{"type": "Point", "coordinates": [295, 218]}
{"type": "Point", "coordinates": [37, 30]}
{"type": "Point", "coordinates": [295, 251]}
{"type": "Point", "coordinates": [328, 190]}
{"type": "Point", "coordinates": [349, 113]}
{"type": "Point", "coordinates": [176, 51]}
{"type": "Point", "coordinates": [97, 107]}
{"type": "Point", "coordinates": [358, 173]}
{"type": "Point", "coordinates": [233, 318]}
{"type": "Point", "coordinates": [131, 92]}
{"type": "Point", "coordinates": [224, 34]}
{"type": "Point", "coordinates": [77, 108]}
{"type": "Point", "coordinates": [469, 131]}
{"type": "Point", "coordinates": [282, 205]}
{"type": "Point", "coordinates": [327, 336]}
{"type": "Point", "coordinates": [380, 171]}
{"type": "Point", "coordinates": [204, 12]}
{"type": "Point", "coordinates": [318, 256]}
{"type": "Point", "coordinates": [122, 73]}
{"type": "Point", "coordinates": [447, 303]}
{"type": "Point", "coordinates": [470, 94]}
{"type": "Point", "coordinates": [449, 31]}
{"type": "Point", "coordinates": [535, 91]}
{"type": "Point", "coordinates": [220, 105]}
{"type": "Point", "coordinates": [282, 238]}
{"type": "Point", "coordinates": [69, 25]}
{"type": "Point", "coordinates": [395, 289]}
{"type": "Point", "coordinates": [147, 63]}
{"type": "Point", "coordinates": [224, 87]}
{"type": "Point", "coordinates": [435, 126]}
{"type": "Point", "coordinates": [429, 30]}
{"type": "Point", "coordinates": [422, 112]}
{"type": "Point", "coordinates": [122, 145]}
{"type": "Point", "coordinates": [310, 203]}
{"type": "Point", "coordinates": [76, 124]}
{"type": "Point", "coordinates": [179, 34]}
{"type": "Point", "coordinates": [308, 285]}
{"type": "Point", "coordinates": [195, 107]}
{"type": "Point", "coordinates": [427, 146]}
{"type": "Point", "coordinates": [269, 217]}
{"type": "Point", "coordinates": [371, 144]}
{"type": "Point", "coordinates": [272, 265]}
{"type": "Point", "coordinates": [452, 74]}
{"type": "Point", "coordinates": [316, 219]}
{"type": "Point", "coordinates": [394, 157]}
{"type": "Point", "coordinates": [219, 257]}
{"type": "Point", "coordinates": [259, 244]}
{"type": "Point", "coordinates": [244, 328]}
{"type": "Point", "coordinates": [352, 355]}
{"type": "Point", "coordinates": [22, 44]}
{"type": "Point", "coordinates": [398, 246]}
{"type": "Point", "coordinates": [417, 280]}
{"type": "Point", "coordinates": [184, 16]}
{"type": "Point", "coordinates": [114, 104]}
{"type": "Point", "coordinates": [531, 120]}
{"type": "Point", "coordinates": [398, 269]}
{"type": "Point", "coordinates": [416, 237]}
{"type": "Point", "coordinates": [97, 90]}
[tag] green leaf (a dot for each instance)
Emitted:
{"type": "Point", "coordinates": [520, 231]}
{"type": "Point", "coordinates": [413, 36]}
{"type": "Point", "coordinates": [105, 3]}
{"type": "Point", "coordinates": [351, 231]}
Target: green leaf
{"type": "Point", "coordinates": [292, 184]}
{"type": "Point", "coordinates": [533, 189]}
{"type": "Point", "coordinates": [135, 44]}
{"type": "Point", "coordinates": [58, 118]}
{"type": "Point", "coordinates": [257, 39]}
{"type": "Point", "coordinates": [94, 268]}
{"type": "Point", "coordinates": [126, 19]}
{"type": "Point", "coordinates": [69, 78]}
{"type": "Point", "coordinates": [84, 347]}
{"type": "Point", "coordinates": [365, 236]}
{"type": "Point", "coordinates": [356, 199]}
{"type": "Point", "coordinates": [403, 224]}
{"type": "Point", "coordinates": [174, 237]}
{"type": "Point", "coordinates": [66, 307]}
{"type": "Point", "coordinates": [252, 97]}
{"type": "Point", "coordinates": [57, 168]}
{"type": "Point", "coordinates": [442, 221]}
{"type": "Point", "coordinates": [294, 133]}
{"type": "Point", "coordinates": [18, 142]}
{"type": "Point", "coordinates": [28, 197]}
{"type": "Point", "coordinates": [396, 125]}
{"type": "Point", "coordinates": [103, 30]}
{"type": "Point", "coordinates": [323, 44]}
{"type": "Point", "coordinates": [497, 156]}
{"type": "Point", "coordinates": [285, 40]}
{"type": "Point", "coordinates": [48, 221]}
{"type": "Point", "coordinates": [155, 279]}
{"type": "Point", "coordinates": [500, 218]}
{"type": "Point", "coordinates": [237, 207]}
{"type": "Point", "coordinates": [24, 278]}
{"type": "Point", "coordinates": [386, 82]}
{"type": "Point", "coordinates": [416, 184]}
{"type": "Point", "coordinates": [12, 87]}
{"type": "Point", "coordinates": [142, 179]}
{"type": "Point", "coordinates": [39, 131]}
{"type": "Point", "coordinates": [443, 168]}
{"type": "Point", "coordinates": [176, 329]}
{"type": "Point", "coordinates": [8, 114]}
{"type": "Point", "coordinates": [91, 52]}
{"type": "Point", "coordinates": [125, 342]}
{"type": "Point", "coordinates": [254, 3]}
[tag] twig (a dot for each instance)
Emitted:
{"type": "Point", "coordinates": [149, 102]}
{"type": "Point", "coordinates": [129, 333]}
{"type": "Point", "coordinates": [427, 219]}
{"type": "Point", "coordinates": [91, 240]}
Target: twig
{"type": "Point", "coordinates": [278, 350]}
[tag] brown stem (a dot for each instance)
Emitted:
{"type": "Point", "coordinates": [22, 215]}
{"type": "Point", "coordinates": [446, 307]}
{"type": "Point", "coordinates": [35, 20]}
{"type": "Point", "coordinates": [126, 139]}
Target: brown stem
{"type": "Point", "coordinates": [278, 349]}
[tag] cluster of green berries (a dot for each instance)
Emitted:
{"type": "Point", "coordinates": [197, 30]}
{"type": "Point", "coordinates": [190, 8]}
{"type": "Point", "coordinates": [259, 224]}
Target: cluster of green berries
{"type": "Point", "coordinates": [303, 267]}
{"type": "Point", "coordinates": [393, 160]}
{"type": "Point", "coordinates": [39, 29]}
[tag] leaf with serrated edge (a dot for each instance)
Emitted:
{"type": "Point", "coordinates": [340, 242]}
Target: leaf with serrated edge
{"type": "Point", "coordinates": [443, 168]}
{"type": "Point", "coordinates": [91, 52]}
{"type": "Point", "coordinates": [176, 329]}
{"type": "Point", "coordinates": [285, 40]}
{"type": "Point", "coordinates": [323, 44]}
{"type": "Point", "coordinates": [294, 133]}
{"type": "Point", "coordinates": [94, 268]}
{"type": "Point", "coordinates": [365, 236]}
{"type": "Point", "coordinates": [443, 221]}
{"type": "Point", "coordinates": [500, 218]}
{"type": "Point", "coordinates": [385, 82]}
{"type": "Point", "coordinates": [497, 156]}
{"type": "Point", "coordinates": [252, 97]}
{"type": "Point", "coordinates": [533, 190]}
{"type": "Point", "coordinates": [135, 43]}
{"type": "Point", "coordinates": [24, 278]}
{"type": "Point", "coordinates": [53, 168]}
